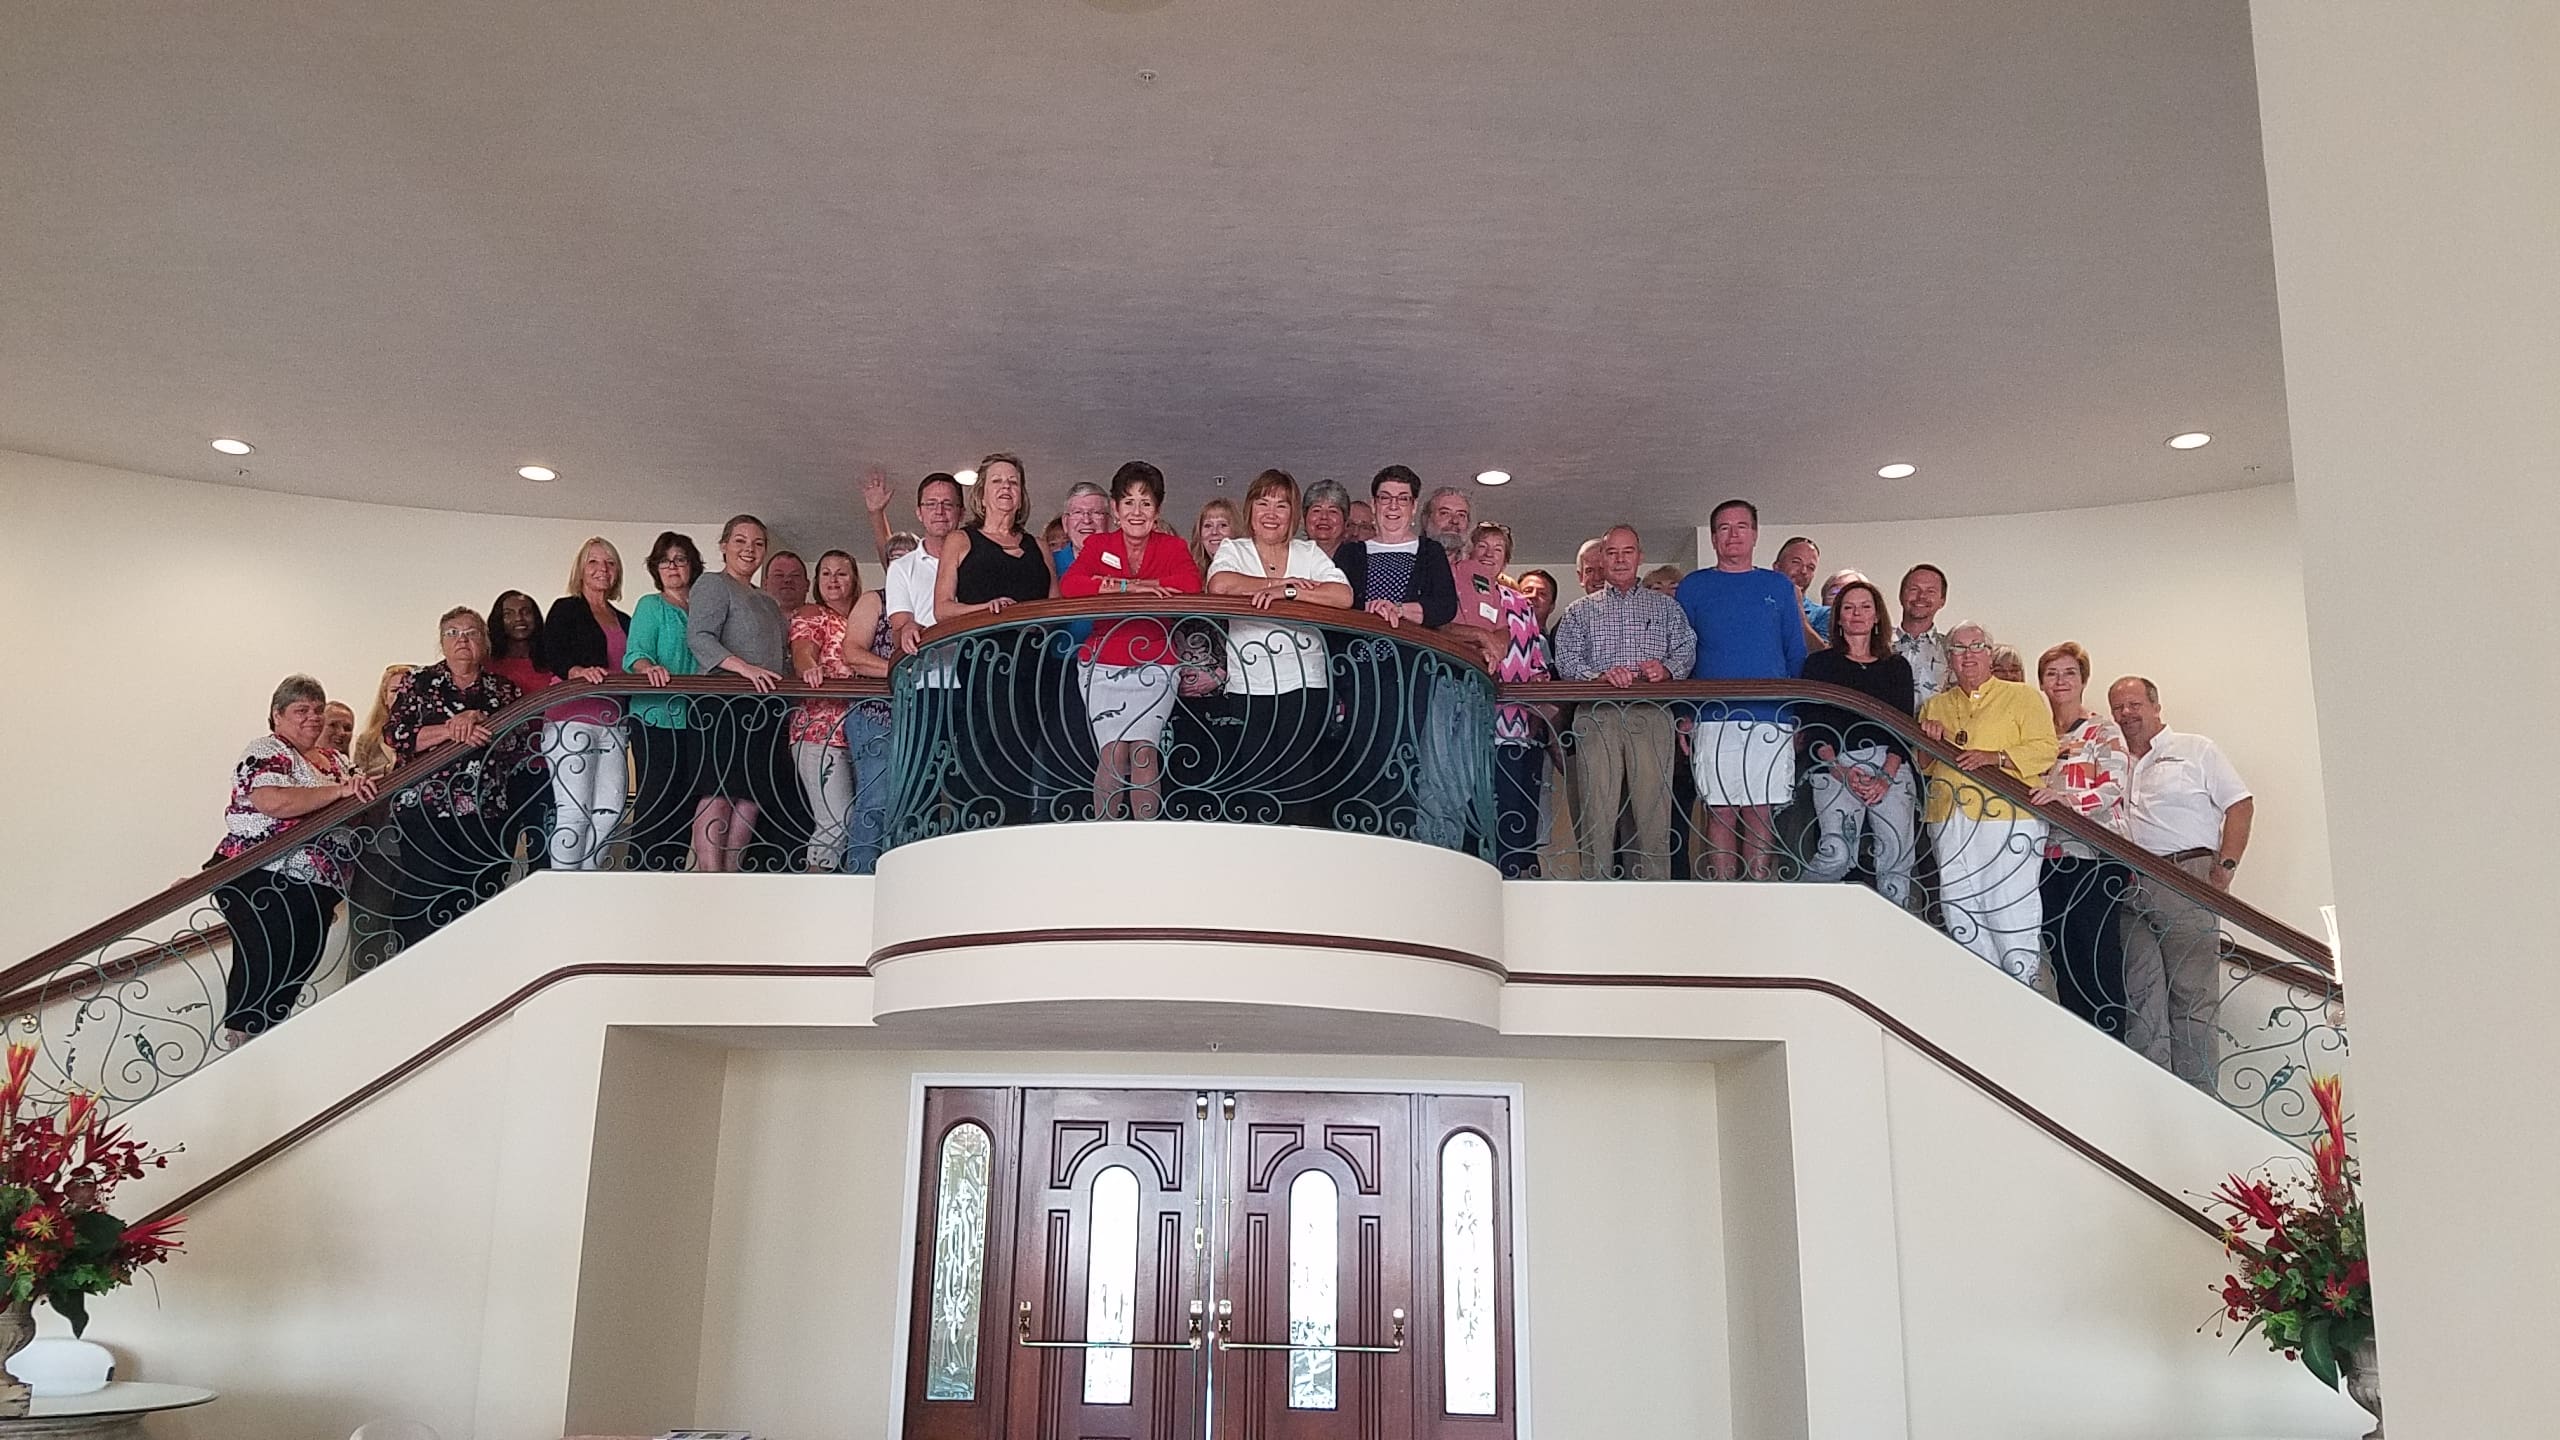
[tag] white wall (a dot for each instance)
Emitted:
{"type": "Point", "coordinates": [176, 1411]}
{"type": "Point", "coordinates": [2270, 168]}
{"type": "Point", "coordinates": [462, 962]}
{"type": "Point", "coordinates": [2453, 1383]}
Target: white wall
{"type": "Point", "coordinates": [2202, 594]}
{"type": "Point", "coordinates": [2412, 185]}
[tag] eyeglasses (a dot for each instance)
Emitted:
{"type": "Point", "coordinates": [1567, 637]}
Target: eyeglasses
{"type": "Point", "coordinates": [1970, 649]}
{"type": "Point", "coordinates": [461, 634]}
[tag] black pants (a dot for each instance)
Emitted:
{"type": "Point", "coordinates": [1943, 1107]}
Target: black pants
{"type": "Point", "coordinates": [2081, 901]}
{"type": "Point", "coordinates": [662, 814]}
{"type": "Point", "coordinates": [278, 928]}
{"type": "Point", "coordinates": [528, 823]}
{"type": "Point", "coordinates": [1519, 775]}
{"type": "Point", "coordinates": [1376, 790]}
{"type": "Point", "coordinates": [997, 713]}
{"type": "Point", "coordinates": [448, 863]}
{"type": "Point", "coordinates": [1274, 768]}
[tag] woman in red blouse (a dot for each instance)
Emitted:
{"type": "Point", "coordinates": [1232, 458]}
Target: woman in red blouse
{"type": "Point", "coordinates": [1129, 669]}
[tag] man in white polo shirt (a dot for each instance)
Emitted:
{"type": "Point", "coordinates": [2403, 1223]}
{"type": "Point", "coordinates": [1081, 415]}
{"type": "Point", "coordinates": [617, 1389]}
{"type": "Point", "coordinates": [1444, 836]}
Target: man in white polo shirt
{"type": "Point", "coordinates": [2186, 805]}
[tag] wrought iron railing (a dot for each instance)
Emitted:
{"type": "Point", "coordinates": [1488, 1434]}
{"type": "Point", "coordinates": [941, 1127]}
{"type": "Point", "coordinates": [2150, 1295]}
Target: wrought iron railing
{"type": "Point", "coordinates": [1295, 715]}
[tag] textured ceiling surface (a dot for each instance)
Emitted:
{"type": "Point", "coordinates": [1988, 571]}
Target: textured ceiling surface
{"type": "Point", "coordinates": [1643, 254]}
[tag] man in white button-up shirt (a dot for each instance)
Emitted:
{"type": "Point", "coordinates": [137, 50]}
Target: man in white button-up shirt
{"type": "Point", "coordinates": [908, 592]}
{"type": "Point", "coordinates": [2185, 804]}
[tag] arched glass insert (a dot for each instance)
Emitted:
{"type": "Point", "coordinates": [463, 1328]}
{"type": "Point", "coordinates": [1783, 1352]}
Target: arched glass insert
{"type": "Point", "coordinates": [1314, 1219]}
{"type": "Point", "coordinates": [1466, 1274]}
{"type": "Point", "coordinates": [1111, 1286]}
{"type": "Point", "coordinates": [959, 1265]}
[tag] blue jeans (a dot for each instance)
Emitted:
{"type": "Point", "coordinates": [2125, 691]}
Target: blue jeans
{"type": "Point", "coordinates": [866, 745]}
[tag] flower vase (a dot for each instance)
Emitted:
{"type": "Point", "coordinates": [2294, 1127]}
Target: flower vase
{"type": "Point", "coordinates": [17, 1327]}
{"type": "Point", "coordinates": [2360, 1370]}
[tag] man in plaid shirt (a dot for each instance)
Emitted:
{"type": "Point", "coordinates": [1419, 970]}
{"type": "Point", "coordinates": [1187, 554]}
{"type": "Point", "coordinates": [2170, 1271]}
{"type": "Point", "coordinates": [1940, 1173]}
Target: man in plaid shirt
{"type": "Point", "coordinates": [1626, 635]}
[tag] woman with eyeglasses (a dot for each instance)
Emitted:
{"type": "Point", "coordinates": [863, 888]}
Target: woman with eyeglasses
{"type": "Point", "coordinates": [452, 823]}
{"type": "Point", "coordinates": [655, 649]}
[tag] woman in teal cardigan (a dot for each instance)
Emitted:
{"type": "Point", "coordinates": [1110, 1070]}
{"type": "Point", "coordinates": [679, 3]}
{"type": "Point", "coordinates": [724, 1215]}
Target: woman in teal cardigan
{"type": "Point", "coordinates": [662, 728]}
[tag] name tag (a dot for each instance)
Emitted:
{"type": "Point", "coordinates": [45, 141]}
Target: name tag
{"type": "Point", "coordinates": [1489, 610]}
{"type": "Point", "coordinates": [1110, 559]}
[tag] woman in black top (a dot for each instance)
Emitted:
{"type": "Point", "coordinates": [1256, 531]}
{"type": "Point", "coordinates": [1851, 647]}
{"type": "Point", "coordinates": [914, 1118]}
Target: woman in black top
{"type": "Point", "coordinates": [1864, 773]}
{"type": "Point", "coordinates": [583, 640]}
{"type": "Point", "coordinates": [991, 563]}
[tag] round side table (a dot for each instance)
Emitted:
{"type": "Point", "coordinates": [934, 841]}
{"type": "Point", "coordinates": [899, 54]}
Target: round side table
{"type": "Point", "coordinates": [114, 1413]}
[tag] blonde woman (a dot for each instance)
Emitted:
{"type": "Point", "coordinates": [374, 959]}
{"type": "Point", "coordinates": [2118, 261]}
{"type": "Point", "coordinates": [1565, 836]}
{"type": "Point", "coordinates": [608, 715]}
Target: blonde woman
{"type": "Point", "coordinates": [987, 565]}
{"type": "Point", "coordinates": [584, 639]}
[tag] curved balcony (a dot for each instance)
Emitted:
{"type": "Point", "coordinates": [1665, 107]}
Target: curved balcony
{"type": "Point", "coordinates": [983, 740]}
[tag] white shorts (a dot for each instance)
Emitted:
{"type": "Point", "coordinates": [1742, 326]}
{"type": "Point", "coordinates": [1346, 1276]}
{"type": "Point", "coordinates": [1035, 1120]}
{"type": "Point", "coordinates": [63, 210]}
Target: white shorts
{"type": "Point", "coordinates": [1744, 762]}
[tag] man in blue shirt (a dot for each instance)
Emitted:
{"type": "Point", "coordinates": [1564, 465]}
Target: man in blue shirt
{"type": "Point", "coordinates": [1742, 752]}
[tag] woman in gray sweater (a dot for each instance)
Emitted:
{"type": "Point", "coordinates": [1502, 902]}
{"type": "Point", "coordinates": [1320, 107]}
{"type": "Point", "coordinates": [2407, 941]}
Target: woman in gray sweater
{"type": "Point", "coordinates": [735, 627]}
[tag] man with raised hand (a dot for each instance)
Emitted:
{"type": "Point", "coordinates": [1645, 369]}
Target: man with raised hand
{"type": "Point", "coordinates": [1990, 852]}
{"type": "Point", "coordinates": [1797, 559]}
{"type": "Point", "coordinates": [2186, 804]}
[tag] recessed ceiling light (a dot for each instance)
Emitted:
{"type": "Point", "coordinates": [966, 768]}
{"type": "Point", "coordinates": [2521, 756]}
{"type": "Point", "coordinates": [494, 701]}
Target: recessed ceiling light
{"type": "Point", "coordinates": [966, 477]}
{"type": "Point", "coordinates": [537, 472]}
{"type": "Point", "coordinates": [1898, 470]}
{"type": "Point", "coordinates": [1493, 477]}
{"type": "Point", "coordinates": [229, 446]}
{"type": "Point", "coordinates": [2192, 440]}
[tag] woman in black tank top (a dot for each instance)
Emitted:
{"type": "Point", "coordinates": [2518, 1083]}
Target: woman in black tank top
{"type": "Point", "coordinates": [998, 723]}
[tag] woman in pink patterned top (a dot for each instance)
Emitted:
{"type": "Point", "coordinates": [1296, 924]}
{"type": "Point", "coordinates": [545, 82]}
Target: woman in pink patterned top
{"type": "Point", "coordinates": [278, 914]}
{"type": "Point", "coordinates": [1519, 731]}
{"type": "Point", "coordinates": [820, 655]}
{"type": "Point", "coordinates": [2081, 887]}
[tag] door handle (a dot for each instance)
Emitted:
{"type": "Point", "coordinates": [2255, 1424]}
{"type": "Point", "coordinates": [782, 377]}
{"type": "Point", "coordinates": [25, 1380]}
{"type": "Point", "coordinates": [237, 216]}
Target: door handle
{"type": "Point", "coordinates": [1226, 1331]}
{"type": "Point", "coordinates": [1022, 1336]}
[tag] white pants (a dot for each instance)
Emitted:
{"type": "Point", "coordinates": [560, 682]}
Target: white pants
{"type": "Point", "coordinates": [590, 782]}
{"type": "Point", "coordinates": [1987, 895]}
{"type": "Point", "coordinates": [1844, 819]}
{"type": "Point", "coordinates": [826, 777]}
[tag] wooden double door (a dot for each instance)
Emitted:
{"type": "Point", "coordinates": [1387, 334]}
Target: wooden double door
{"type": "Point", "coordinates": [1185, 1264]}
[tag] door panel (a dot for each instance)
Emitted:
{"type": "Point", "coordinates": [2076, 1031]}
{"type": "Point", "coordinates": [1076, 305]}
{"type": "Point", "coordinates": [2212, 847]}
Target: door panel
{"type": "Point", "coordinates": [1110, 1201]}
{"type": "Point", "coordinates": [1342, 1159]}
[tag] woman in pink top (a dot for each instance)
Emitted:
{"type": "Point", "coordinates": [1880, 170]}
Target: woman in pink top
{"type": "Point", "coordinates": [1129, 668]}
{"type": "Point", "coordinates": [820, 655]}
{"type": "Point", "coordinates": [582, 741]}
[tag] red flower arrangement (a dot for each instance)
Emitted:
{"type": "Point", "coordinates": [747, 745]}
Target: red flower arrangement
{"type": "Point", "coordinates": [2302, 1279]}
{"type": "Point", "coordinates": [58, 1243]}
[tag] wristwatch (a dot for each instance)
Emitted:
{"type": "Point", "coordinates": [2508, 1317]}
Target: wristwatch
{"type": "Point", "coordinates": [2226, 864]}
{"type": "Point", "coordinates": [1289, 591]}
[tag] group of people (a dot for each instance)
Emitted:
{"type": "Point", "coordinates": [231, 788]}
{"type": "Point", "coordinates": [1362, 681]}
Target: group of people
{"type": "Point", "coordinates": [1599, 779]}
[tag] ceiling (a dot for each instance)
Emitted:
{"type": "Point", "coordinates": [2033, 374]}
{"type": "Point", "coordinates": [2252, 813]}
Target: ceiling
{"type": "Point", "coordinates": [1643, 254]}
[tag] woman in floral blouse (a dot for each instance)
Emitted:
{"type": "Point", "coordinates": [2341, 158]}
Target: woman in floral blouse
{"type": "Point", "coordinates": [2083, 888]}
{"type": "Point", "coordinates": [819, 730]}
{"type": "Point", "coordinates": [451, 851]}
{"type": "Point", "coordinates": [279, 913]}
